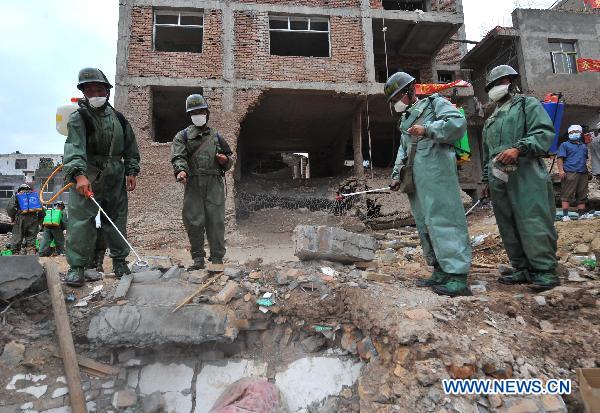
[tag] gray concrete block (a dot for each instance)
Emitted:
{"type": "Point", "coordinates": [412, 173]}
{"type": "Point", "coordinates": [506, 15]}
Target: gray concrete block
{"type": "Point", "coordinates": [18, 273]}
{"type": "Point", "coordinates": [147, 277]}
{"type": "Point", "coordinates": [172, 273]}
{"type": "Point", "coordinates": [333, 244]}
{"type": "Point", "coordinates": [123, 286]}
{"type": "Point", "coordinates": [144, 326]}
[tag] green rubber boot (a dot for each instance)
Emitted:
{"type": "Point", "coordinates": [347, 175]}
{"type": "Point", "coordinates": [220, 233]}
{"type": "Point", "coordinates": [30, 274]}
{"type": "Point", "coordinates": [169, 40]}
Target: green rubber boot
{"type": "Point", "coordinates": [455, 286]}
{"type": "Point", "coordinates": [438, 277]}
{"type": "Point", "coordinates": [518, 277]}
{"type": "Point", "coordinates": [542, 281]}
{"type": "Point", "coordinates": [120, 268]}
{"type": "Point", "coordinates": [75, 277]}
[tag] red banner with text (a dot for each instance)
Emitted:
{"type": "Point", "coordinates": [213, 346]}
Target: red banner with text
{"type": "Point", "coordinates": [588, 65]}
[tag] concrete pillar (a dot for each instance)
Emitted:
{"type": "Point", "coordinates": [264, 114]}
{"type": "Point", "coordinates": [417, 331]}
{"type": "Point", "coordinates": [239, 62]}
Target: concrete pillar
{"type": "Point", "coordinates": [357, 143]}
{"type": "Point", "coordinates": [228, 58]}
{"type": "Point", "coordinates": [367, 27]}
{"type": "Point", "coordinates": [124, 29]}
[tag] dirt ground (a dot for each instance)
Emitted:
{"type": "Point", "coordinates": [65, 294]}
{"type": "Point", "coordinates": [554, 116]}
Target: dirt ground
{"type": "Point", "coordinates": [409, 337]}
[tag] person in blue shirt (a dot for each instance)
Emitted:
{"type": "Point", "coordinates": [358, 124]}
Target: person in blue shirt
{"type": "Point", "coordinates": [572, 169]}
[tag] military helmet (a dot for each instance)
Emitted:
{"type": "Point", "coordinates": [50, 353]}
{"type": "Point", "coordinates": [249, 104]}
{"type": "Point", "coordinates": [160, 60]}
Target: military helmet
{"type": "Point", "coordinates": [397, 82]}
{"type": "Point", "coordinates": [195, 101]}
{"type": "Point", "coordinates": [499, 72]}
{"type": "Point", "coordinates": [92, 75]}
{"type": "Point", "coordinates": [23, 187]}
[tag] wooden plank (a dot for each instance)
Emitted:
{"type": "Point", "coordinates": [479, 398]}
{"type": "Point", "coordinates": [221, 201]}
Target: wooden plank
{"type": "Point", "coordinates": [91, 364]}
{"type": "Point", "coordinates": [198, 291]}
{"type": "Point", "coordinates": [65, 339]}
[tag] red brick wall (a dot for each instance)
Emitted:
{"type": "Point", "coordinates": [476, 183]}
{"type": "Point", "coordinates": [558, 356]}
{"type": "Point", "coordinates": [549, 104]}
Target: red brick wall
{"type": "Point", "coordinates": [253, 59]}
{"type": "Point", "coordinates": [144, 61]}
{"type": "Point", "coordinates": [450, 53]}
{"type": "Point", "coordinates": [309, 3]}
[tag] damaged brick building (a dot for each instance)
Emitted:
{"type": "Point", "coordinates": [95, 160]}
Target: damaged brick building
{"type": "Point", "coordinates": [281, 78]}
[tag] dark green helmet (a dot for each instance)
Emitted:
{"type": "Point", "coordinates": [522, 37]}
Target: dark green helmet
{"type": "Point", "coordinates": [92, 75]}
{"type": "Point", "coordinates": [497, 73]}
{"type": "Point", "coordinates": [195, 101]}
{"type": "Point", "coordinates": [24, 187]}
{"type": "Point", "coordinates": [396, 83]}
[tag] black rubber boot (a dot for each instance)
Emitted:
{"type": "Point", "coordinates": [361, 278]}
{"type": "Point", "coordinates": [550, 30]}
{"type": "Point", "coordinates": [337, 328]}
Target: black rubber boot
{"type": "Point", "coordinates": [455, 286]}
{"type": "Point", "coordinates": [75, 277]}
{"type": "Point", "coordinates": [120, 268]}
{"type": "Point", "coordinates": [197, 265]}
{"type": "Point", "coordinates": [518, 277]}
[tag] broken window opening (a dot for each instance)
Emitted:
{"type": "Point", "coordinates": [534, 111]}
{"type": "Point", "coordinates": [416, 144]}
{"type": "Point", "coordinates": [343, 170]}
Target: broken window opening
{"type": "Point", "coordinates": [406, 5]}
{"type": "Point", "coordinates": [178, 31]}
{"type": "Point", "coordinates": [563, 56]}
{"type": "Point", "coordinates": [168, 111]}
{"type": "Point", "coordinates": [20, 163]}
{"type": "Point", "coordinates": [445, 76]}
{"type": "Point", "coordinates": [299, 36]}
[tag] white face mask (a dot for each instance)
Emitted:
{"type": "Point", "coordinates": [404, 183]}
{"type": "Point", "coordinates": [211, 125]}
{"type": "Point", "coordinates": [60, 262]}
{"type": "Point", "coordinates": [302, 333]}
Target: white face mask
{"type": "Point", "coordinates": [97, 102]}
{"type": "Point", "coordinates": [498, 92]}
{"type": "Point", "coordinates": [574, 136]}
{"type": "Point", "coordinates": [199, 120]}
{"type": "Point", "coordinates": [400, 106]}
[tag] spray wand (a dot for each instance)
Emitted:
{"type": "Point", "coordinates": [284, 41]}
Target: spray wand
{"type": "Point", "coordinates": [139, 262]}
{"type": "Point", "coordinates": [342, 196]}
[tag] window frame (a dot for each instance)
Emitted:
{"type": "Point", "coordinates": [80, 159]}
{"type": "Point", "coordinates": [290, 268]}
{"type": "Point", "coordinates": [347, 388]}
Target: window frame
{"type": "Point", "coordinates": [6, 189]}
{"type": "Point", "coordinates": [21, 160]}
{"type": "Point", "coordinates": [568, 56]}
{"type": "Point", "coordinates": [290, 30]}
{"type": "Point", "coordinates": [179, 14]}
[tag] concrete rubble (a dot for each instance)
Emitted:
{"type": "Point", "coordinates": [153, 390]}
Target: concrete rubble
{"type": "Point", "coordinates": [18, 274]}
{"type": "Point", "coordinates": [333, 337]}
{"type": "Point", "coordinates": [333, 244]}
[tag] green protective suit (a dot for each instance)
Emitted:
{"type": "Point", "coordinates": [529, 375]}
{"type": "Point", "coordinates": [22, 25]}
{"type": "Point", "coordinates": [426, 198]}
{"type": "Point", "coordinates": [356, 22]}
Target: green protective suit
{"type": "Point", "coordinates": [524, 207]}
{"type": "Point", "coordinates": [54, 234]}
{"type": "Point", "coordinates": [106, 157]}
{"type": "Point", "coordinates": [97, 258]}
{"type": "Point", "coordinates": [436, 203]}
{"type": "Point", "coordinates": [25, 227]}
{"type": "Point", "coordinates": [204, 198]}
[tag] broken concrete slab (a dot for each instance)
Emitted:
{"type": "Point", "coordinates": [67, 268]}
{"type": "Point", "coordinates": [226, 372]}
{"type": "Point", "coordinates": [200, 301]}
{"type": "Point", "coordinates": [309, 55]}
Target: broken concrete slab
{"type": "Point", "coordinates": [172, 273]}
{"type": "Point", "coordinates": [123, 286]}
{"type": "Point", "coordinates": [147, 277]}
{"type": "Point", "coordinates": [19, 273]}
{"type": "Point", "coordinates": [144, 326]}
{"type": "Point", "coordinates": [160, 294]}
{"type": "Point", "coordinates": [166, 378]}
{"type": "Point", "coordinates": [311, 380]}
{"type": "Point", "coordinates": [333, 244]}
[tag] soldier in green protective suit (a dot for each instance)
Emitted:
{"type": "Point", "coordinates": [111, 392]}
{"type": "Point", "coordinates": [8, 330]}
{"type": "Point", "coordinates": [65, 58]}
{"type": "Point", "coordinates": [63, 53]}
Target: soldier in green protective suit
{"type": "Point", "coordinates": [26, 223]}
{"type": "Point", "coordinates": [54, 224]}
{"type": "Point", "coordinates": [101, 156]}
{"type": "Point", "coordinates": [433, 125]}
{"type": "Point", "coordinates": [515, 136]}
{"type": "Point", "coordinates": [200, 158]}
